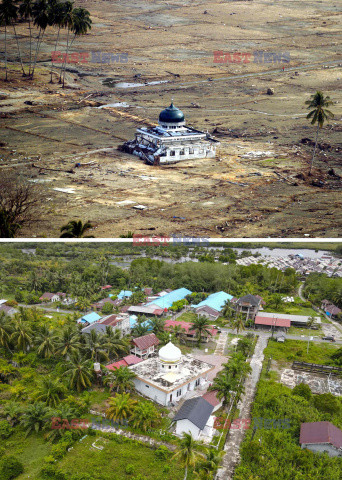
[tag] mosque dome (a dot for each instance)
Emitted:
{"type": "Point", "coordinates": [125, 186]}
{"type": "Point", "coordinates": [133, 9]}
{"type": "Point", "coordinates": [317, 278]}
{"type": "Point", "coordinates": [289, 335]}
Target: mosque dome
{"type": "Point", "coordinates": [171, 114]}
{"type": "Point", "coordinates": [170, 353]}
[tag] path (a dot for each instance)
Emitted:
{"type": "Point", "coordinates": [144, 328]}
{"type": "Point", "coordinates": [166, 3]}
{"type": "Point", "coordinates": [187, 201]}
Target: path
{"type": "Point", "coordinates": [221, 343]}
{"type": "Point", "coordinates": [235, 438]}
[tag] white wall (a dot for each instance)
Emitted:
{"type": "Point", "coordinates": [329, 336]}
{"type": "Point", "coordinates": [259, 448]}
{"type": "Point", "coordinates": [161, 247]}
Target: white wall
{"type": "Point", "coordinates": [185, 426]}
{"type": "Point", "coordinates": [151, 392]}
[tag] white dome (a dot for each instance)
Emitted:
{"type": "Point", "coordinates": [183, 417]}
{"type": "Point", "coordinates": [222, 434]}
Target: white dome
{"type": "Point", "coordinates": [170, 353]}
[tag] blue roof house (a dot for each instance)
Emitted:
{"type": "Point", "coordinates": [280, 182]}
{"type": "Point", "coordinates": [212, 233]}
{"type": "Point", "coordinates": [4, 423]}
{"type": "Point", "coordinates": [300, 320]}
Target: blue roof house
{"type": "Point", "coordinates": [167, 300]}
{"type": "Point", "coordinates": [124, 294]}
{"type": "Point", "coordinates": [215, 301]}
{"type": "Point", "coordinates": [90, 318]}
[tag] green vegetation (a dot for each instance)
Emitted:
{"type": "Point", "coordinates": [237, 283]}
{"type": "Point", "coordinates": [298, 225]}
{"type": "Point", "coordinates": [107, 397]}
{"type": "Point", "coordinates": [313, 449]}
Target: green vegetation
{"type": "Point", "coordinates": [274, 453]}
{"type": "Point", "coordinates": [319, 287]}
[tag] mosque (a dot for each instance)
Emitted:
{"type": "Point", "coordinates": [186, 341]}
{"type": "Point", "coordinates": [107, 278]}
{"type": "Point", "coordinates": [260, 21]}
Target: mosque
{"type": "Point", "coordinates": [168, 377]}
{"type": "Point", "coordinates": [171, 141]}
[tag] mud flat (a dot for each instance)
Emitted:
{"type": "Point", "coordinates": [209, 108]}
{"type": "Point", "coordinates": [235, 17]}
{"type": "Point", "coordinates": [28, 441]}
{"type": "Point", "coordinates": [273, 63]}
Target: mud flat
{"type": "Point", "coordinates": [256, 186]}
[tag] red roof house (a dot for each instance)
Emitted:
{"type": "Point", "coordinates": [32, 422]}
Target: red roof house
{"type": "Point", "coordinates": [144, 346]}
{"type": "Point", "coordinates": [275, 322]}
{"type": "Point", "coordinates": [321, 437]}
{"type": "Point", "coordinates": [187, 326]}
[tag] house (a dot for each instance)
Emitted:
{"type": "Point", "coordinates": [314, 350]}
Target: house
{"type": "Point", "coordinates": [124, 294]}
{"type": "Point", "coordinates": [295, 320]}
{"type": "Point", "coordinates": [89, 318]}
{"type": "Point", "coordinates": [195, 417]}
{"type": "Point", "coordinates": [248, 305]}
{"type": "Point", "coordinates": [321, 437]}
{"type": "Point", "coordinates": [189, 333]}
{"type": "Point", "coordinates": [116, 322]}
{"type": "Point", "coordinates": [212, 398]}
{"type": "Point", "coordinates": [330, 309]}
{"type": "Point", "coordinates": [125, 362]}
{"type": "Point", "coordinates": [144, 346]}
{"type": "Point", "coordinates": [169, 298]}
{"type": "Point", "coordinates": [168, 377]}
{"type": "Point", "coordinates": [7, 309]}
{"type": "Point", "coordinates": [66, 299]}
{"type": "Point", "coordinates": [50, 297]}
{"type": "Point", "coordinates": [213, 304]}
{"type": "Point", "coordinates": [148, 291]}
{"type": "Point", "coordinates": [271, 322]}
{"type": "Point", "coordinates": [100, 304]}
{"type": "Point", "coordinates": [151, 310]}
{"type": "Point", "coordinates": [106, 287]}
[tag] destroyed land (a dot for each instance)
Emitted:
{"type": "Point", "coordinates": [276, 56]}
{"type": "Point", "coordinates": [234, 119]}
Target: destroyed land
{"type": "Point", "coordinates": [258, 184]}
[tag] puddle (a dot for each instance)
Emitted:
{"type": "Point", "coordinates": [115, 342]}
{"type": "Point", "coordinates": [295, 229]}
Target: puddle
{"type": "Point", "coordinates": [118, 104]}
{"type": "Point", "coordinates": [111, 82]}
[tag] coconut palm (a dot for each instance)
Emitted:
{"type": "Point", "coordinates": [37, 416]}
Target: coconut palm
{"type": "Point", "coordinates": [45, 339]}
{"type": "Point", "coordinates": [80, 372]}
{"type": "Point", "coordinates": [83, 304]}
{"type": "Point", "coordinates": [26, 13]}
{"type": "Point", "coordinates": [35, 417]}
{"type": "Point", "coordinates": [21, 336]}
{"type": "Point", "coordinates": [201, 326]}
{"type": "Point", "coordinates": [64, 413]}
{"type": "Point", "coordinates": [209, 465]}
{"type": "Point", "coordinates": [222, 384]}
{"type": "Point", "coordinates": [120, 407]}
{"type": "Point", "coordinates": [94, 346]}
{"type": "Point", "coordinates": [188, 452]}
{"type": "Point", "coordinates": [114, 343]}
{"type": "Point", "coordinates": [75, 229]}
{"type": "Point", "coordinates": [68, 344]}
{"type": "Point", "coordinates": [79, 24]}
{"type": "Point", "coordinates": [227, 310]}
{"type": "Point", "coordinates": [145, 415]}
{"type": "Point", "coordinates": [319, 113]}
{"type": "Point", "coordinates": [56, 13]}
{"type": "Point", "coordinates": [120, 380]}
{"type": "Point", "coordinates": [50, 391]}
{"type": "Point", "coordinates": [237, 323]}
{"type": "Point", "coordinates": [8, 14]}
{"type": "Point", "coordinates": [5, 331]}
{"type": "Point", "coordinates": [157, 325]}
{"type": "Point", "coordinates": [40, 12]}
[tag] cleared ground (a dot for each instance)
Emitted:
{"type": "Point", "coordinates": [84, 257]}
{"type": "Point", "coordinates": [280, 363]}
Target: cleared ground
{"type": "Point", "coordinates": [237, 194]}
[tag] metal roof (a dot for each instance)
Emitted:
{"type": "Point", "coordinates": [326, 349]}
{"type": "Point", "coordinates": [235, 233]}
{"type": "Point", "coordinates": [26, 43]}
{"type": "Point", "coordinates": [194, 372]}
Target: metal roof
{"type": "Point", "coordinates": [215, 301]}
{"type": "Point", "coordinates": [196, 410]}
{"type": "Point", "coordinates": [167, 300]}
{"type": "Point", "coordinates": [293, 318]}
{"type": "Point", "coordinates": [146, 341]}
{"type": "Point", "coordinates": [320, 432]}
{"type": "Point", "coordinates": [274, 321]}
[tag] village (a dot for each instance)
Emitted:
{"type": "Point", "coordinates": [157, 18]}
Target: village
{"type": "Point", "coordinates": [174, 365]}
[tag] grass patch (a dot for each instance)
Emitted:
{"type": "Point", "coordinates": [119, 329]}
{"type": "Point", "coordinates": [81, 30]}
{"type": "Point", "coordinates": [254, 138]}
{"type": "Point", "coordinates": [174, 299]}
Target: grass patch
{"type": "Point", "coordinates": [111, 462]}
{"type": "Point", "coordinates": [187, 317]}
{"type": "Point", "coordinates": [292, 350]}
{"type": "Point", "coordinates": [305, 331]}
{"type": "Point", "coordinates": [292, 309]}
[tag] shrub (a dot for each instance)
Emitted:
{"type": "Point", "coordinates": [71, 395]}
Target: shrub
{"type": "Point", "coordinates": [162, 452]}
{"type": "Point", "coordinates": [129, 469]}
{"type": "Point", "coordinates": [5, 429]}
{"type": "Point", "coordinates": [107, 308]}
{"type": "Point", "coordinates": [59, 450]}
{"type": "Point", "coordinates": [11, 303]}
{"type": "Point", "coordinates": [302, 390]}
{"type": "Point", "coordinates": [52, 472]}
{"type": "Point", "coordinates": [10, 467]}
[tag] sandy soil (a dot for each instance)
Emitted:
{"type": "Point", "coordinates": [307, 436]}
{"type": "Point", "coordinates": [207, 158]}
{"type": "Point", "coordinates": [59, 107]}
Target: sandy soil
{"type": "Point", "coordinates": [233, 195]}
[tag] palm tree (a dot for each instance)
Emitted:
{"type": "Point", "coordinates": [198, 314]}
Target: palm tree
{"type": "Point", "coordinates": [8, 14]}
{"type": "Point", "coordinates": [80, 371]}
{"type": "Point", "coordinates": [35, 417]}
{"type": "Point", "coordinates": [41, 21]}
{"type": "Point", "coordinates": [227, 310]}
{"type": "Point", "coordinates": [21, 336]}
{"type": "Point", "coordinates": [64, 412]}
{"type": "Point", "coordinates": [45, 339]}
{"type": "Point", "coordinates": [188, 452]}
{"type": "Point", "coordinates": [120, 380]}
{"type": "Point", "coordinates": [68, 343]}
{"type": "Point", "coordinates": [237, 322]}
{"type": "Point", "coordinates": [12, 412]}
{"type": "Point", "coordinates": [114, 343]}
{"type": "Point", "coordinates": [75, 228]}
{"type": "Point", "coordinates": [120, 407]}
{"type": "Point", "coordinates": [144, 416]}
{"type": "Point", "coordinates": [157, 325]}
{"type": "Point", "coordinates": [80, 24]}
{"type": "Point", "coordinates": [26, 12]}
{"type": "Point", "coordinates": [200, 325]}
{"type": "Point", "coordinates": [50, 391]}
{"type": "Point", "coordinates": [55, 13]}
{"type": "Point", "coordinates": [319, 114]}
{"type": "Point", "coordinates": [94, 346]}
{"type": "Point", "coordinates": [208, 466]}
{"type": "Point", "coordinates": [83, 304]}
{"type": "Point", "coordinates": [5, 331]}
{"type": "Point", "coordinates": [222, 383]}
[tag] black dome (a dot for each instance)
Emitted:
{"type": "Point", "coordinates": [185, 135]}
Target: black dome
{"type": "Point", "coordinates": [171, 114]}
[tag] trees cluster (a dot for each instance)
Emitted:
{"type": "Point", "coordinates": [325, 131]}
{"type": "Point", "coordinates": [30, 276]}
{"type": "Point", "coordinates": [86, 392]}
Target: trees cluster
{"type": "Point", "coordinates": [318, 286]}
{"type": "Point", "coordinates": [39, 15]}
{"type": "Point", "coordinates": [275, 454]}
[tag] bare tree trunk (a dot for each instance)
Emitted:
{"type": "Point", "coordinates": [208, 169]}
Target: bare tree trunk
{"type": "Point", "coordinates": [30, 46]}
{"type": "Point", "coordinates": [59, 28]}
{"type": "Point", "coordinates": [39, 40]}
{"type": "Point", "coordinates": [314, 152]}
{"type": "Point", "coordinates": [186, 473]}
{"type": "Point", "coordinates": [6, 79]}
{"type": "Point", "coordinates": [18, 47]}
{"type": "Point", "coordinates": [65, 60]}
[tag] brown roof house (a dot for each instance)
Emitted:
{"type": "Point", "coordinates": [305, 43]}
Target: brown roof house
{"type": "Point", "coordinates": [50, 297]}
{"type": "Point", "coordinates": [248, 305]}
{"type": "Point", "coordinates": [321, 437]}
{"type": "Point", "coordinates": [144, 346]}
